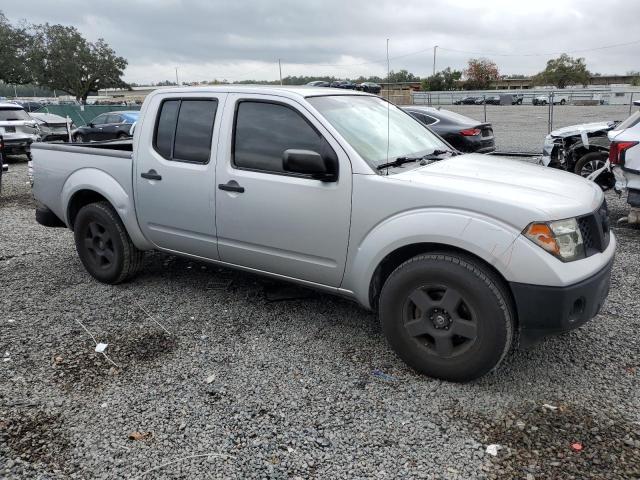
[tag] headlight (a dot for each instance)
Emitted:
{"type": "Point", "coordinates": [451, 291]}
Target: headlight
{"type": "Point", "coordinates": [561, 238]}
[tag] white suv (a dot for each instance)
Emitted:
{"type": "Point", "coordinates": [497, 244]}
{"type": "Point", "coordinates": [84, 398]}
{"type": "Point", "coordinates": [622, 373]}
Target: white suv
{"type": "Point", "coordinates": [624, 157]}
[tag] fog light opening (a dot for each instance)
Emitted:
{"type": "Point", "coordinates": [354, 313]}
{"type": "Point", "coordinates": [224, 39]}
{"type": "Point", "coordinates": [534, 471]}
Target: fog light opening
{"type": "Point", "coordinates": [577, 309]}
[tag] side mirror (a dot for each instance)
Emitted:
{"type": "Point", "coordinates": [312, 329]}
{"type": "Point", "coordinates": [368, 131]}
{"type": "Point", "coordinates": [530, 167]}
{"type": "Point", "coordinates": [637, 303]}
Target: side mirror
{"type": "Point", "coordinates": [91, 125]}
{"type": "Point", "coordinates": [310, 163]}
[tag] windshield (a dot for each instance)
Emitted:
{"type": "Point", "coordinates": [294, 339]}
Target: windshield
{"type": "Point", "coordinates": [362, 121]}
{"type": "Point", "coordinates": [13, 114]}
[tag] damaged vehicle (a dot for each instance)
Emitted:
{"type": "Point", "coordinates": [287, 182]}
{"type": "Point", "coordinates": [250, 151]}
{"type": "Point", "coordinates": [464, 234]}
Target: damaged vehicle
{"type": "Point", "coordinates": [51, 128]}
{"type": "Point", "coordinates": [581, 149]}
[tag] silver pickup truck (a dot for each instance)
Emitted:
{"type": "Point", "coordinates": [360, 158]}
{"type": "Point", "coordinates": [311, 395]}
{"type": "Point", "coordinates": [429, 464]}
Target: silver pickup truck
{"type": "Point", "coordinates": [462, 256]}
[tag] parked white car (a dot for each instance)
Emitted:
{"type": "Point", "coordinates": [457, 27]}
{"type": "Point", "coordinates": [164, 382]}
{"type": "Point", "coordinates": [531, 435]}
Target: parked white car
{"type": "Point", "coordinates": [624, 157]}
{"type": "Point", "coordinates": [17, 129]}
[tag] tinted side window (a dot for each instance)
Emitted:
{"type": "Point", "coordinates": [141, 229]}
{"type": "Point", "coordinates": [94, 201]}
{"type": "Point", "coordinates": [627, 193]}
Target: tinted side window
{"type": "Point", "coordinates": [99, 120]}
{"type": "Point", "coordinates": [184, 130]}
{"type": "Point", "coordinates": [166, 127]}
{"type": "Point", "coordinates": [194, 130]}
{"type": "Point", "coordinates": [429, 120]}
{"type": "Point", "coordinates": [113, 119]}
{"type": "Point", "coordinates": [263, 131]}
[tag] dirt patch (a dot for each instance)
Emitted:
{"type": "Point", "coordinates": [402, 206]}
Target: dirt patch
{"type": "Point", "coordinates": [77, 365]}
{"type": "Point", "coordinates": [570, 442]}
{"type": "Point", "coordinates": [35, 436]}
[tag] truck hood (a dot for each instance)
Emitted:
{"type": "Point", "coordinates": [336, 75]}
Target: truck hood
{"type": "Point", "coordinates": [513, 191]}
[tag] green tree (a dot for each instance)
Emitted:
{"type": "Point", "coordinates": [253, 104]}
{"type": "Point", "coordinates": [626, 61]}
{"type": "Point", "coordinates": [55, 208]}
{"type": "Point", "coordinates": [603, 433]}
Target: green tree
{"type": "Point", "coordinates": [447, 79]}
{"type": "Point", "coordinates": [480, 72]}
{"type": "Point", "coordinates": [563, 71]}
{"type": "Point", "coordinates": [402, 76]}
{"type": "Point", "coordinates": [63, 60]}
{"type": "Point", "coordinates": [14, 52]}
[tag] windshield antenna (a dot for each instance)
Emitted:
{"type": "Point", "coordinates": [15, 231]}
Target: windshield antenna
{"type": "Point", "coordinates": [388, 100]}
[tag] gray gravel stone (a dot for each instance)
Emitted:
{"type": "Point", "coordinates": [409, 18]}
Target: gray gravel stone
{"type": "Point", "coordinates": [294, 395]}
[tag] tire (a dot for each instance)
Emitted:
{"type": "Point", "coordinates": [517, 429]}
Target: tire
{"type": "Point", "coordinates": [447, 316]}
{"type": "Point", "coordinates": [563, 101]}
{"type": "Point", "coordinates": [122, 136]}
{"type": "Point", "coordinates": [589, 163]}
{"type": "Point", "coordinates": [103, 244]}
{"type": "Point", "coordinates": [78, 138]}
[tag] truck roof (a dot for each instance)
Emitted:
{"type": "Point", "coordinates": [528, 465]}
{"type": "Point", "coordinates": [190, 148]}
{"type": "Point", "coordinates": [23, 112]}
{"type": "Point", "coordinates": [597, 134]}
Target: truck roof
{"type": "Point", "coordinates": [291, 91]}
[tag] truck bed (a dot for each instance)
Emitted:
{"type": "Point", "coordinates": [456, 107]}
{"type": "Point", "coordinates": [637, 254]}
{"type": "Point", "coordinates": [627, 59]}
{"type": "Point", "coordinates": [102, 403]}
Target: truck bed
{"type": "Point", "coordinates": [61, 167]}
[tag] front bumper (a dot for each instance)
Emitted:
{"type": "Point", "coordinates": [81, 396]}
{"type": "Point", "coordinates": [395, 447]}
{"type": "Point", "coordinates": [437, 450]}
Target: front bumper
{"type": "Point", "coordinates": [546, 310]}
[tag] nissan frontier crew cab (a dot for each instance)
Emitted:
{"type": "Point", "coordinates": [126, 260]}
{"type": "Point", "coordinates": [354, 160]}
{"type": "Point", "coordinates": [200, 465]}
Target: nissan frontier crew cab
{"type": "Point", "coordinates": [462, 256]}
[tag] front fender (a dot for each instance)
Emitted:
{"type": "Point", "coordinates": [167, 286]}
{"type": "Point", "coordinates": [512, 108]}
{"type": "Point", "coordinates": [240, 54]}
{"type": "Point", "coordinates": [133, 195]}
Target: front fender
{"type": "Point", "coordinates": [98, 181]}
{"type": "Point", "coordinates": [482, 236]}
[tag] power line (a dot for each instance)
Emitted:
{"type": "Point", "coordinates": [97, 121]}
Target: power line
{"type": "Point", "coordinates": [542, 54]}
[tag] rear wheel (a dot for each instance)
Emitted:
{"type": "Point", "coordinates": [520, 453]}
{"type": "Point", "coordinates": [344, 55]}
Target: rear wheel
{"type": "Point", "coordinates": [447, 316]}
{"type": "Point", "coordinates": [563, 101]}
{"type": "Point", "coordinates": [103, 244]}
{"type": "Point", "coordinates": [122, 136]}
{"type": "Point", "coordinates": [78, 138]}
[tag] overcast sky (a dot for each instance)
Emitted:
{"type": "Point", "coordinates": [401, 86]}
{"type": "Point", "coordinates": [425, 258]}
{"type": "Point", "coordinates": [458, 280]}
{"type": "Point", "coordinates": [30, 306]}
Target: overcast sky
{"type": "Point", "coordinates": [238, 40]}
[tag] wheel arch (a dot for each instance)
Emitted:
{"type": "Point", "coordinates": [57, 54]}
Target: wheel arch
{"type": "Point", "coordinates": [400, 255]}
{"type": "Point", "coordinates": [92, 185]}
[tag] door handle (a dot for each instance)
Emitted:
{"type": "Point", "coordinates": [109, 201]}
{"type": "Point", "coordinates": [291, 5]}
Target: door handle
{"type": "Point", "coordinates": [151, 175]}
{"type": "Point", "coordinates": [231, 186]}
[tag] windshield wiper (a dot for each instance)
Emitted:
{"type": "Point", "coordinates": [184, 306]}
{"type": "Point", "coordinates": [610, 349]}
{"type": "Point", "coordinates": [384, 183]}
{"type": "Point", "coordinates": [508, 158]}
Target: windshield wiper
{"type": "Point", "coordinates": [435, 155]}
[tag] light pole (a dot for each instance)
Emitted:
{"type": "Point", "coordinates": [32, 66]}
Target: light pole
{"type": "Point", "coordinates": [434, 59]}
{"type": "Point", "coordinates": [177, 83]}
{"type": "Point", "coordinates": [280, 68]}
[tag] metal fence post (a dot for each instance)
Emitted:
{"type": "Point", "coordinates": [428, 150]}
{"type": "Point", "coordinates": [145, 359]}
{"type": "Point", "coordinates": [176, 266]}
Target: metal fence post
{"type": "Point", "coordinates": [550, 114]}
{"type": "Point", "coordinates": [484, 104]}
{"type": "Point", "coordinates": [631, 103]}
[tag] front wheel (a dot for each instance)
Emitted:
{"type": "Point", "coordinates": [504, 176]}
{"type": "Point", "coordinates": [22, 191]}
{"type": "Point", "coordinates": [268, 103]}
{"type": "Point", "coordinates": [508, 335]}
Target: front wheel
{"type": "Point", "coordinates": [589, 163]}
{"type": "Point", "coordinates": [103, 244]}
{"type": "Point", "coordinates": [447, 316]}
{"type": "Point", "coordinates": [78, 138]}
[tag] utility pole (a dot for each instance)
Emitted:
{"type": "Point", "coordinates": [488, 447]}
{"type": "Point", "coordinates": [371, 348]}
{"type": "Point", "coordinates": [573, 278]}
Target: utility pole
{"type": "Point", "coordinates": [434, 59]}
{"type": "Point", "coordinates": [280, 68]}
{"type": "Point", "coordinates": [177, 82]}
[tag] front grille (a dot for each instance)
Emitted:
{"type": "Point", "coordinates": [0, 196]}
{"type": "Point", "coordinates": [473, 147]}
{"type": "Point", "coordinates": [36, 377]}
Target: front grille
{"type": "Point", "coordinates": [595, 230]}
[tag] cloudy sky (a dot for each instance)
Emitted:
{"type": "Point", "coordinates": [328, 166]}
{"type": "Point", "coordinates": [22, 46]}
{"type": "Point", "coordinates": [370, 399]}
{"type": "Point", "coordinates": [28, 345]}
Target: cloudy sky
{"type": "Point", "coordinates": [239, 40]}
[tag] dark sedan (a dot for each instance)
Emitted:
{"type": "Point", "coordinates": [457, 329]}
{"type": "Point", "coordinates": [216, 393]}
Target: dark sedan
{"type": "Point", "coordinates": [466, 101]}
{"type": "Point", "coordinates": [463, 133]}
{"type": "Point", "coordinates": [318, 83]}
{"type": "Point", "coordinates": [107, 126]}
{"type": "Point", "coordinates": [344, 84]}
{"type": "Point", "coordinates": [370, 87]}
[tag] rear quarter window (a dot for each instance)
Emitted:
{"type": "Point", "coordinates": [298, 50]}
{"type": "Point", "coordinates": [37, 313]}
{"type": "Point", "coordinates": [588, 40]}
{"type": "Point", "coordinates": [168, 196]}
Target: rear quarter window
{"type": "Point", "coordinates": [8, 114]}
{"type": "Point", "coordinates": [184, 129]}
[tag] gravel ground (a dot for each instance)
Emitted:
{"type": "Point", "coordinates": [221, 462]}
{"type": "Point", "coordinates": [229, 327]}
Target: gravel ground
{"type": "Point", "coordinates": [239, 386]}
{"type": "Point", "coordinates": [522, 128]}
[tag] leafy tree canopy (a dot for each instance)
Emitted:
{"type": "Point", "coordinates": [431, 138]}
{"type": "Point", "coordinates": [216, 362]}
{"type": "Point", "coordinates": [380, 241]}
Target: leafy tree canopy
{"type": "Point", "coordinates": [563, 71]}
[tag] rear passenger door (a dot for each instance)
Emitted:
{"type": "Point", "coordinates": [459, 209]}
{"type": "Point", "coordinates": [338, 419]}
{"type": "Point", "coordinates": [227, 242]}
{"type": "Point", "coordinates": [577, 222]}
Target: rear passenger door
{"type": "Point", "coordinates": [272, 220]}
{"type": "Point", "coordinates": [175, 173]}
